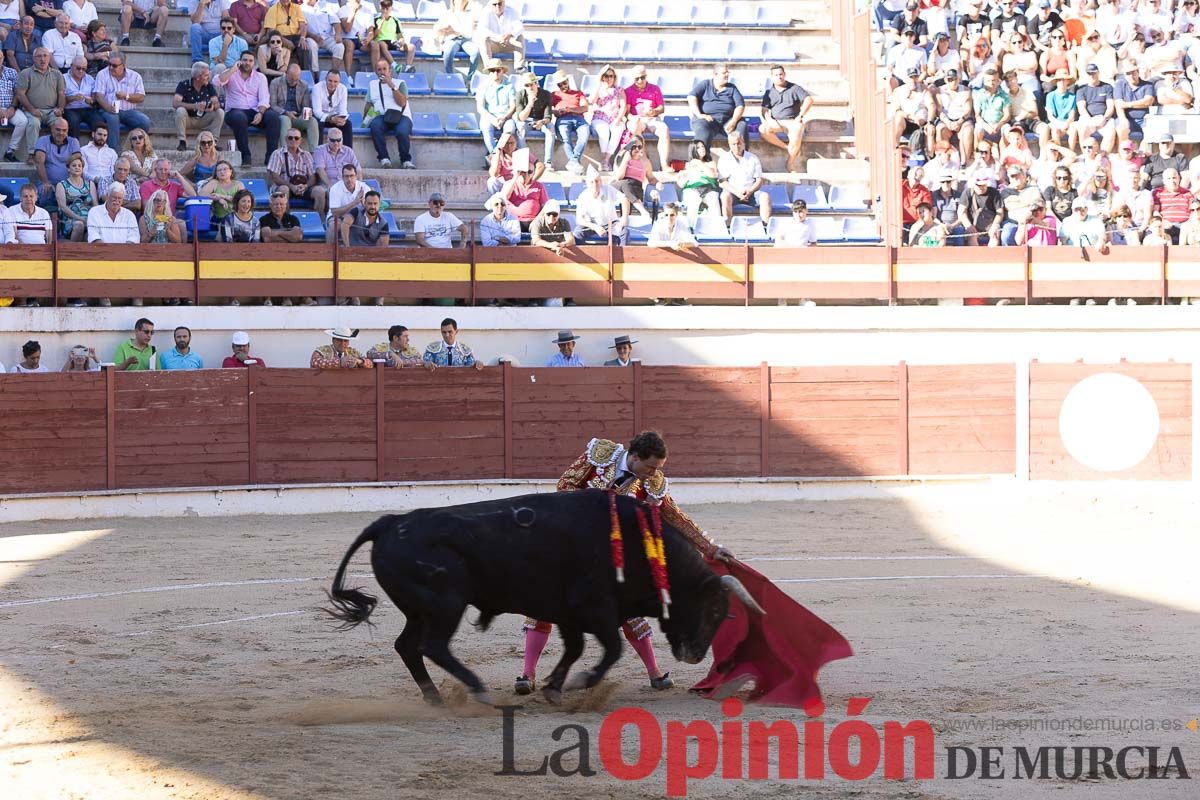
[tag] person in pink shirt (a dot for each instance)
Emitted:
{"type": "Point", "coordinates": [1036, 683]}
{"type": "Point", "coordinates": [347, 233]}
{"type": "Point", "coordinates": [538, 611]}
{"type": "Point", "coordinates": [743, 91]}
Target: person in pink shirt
{"type": "Point", "coordinates": [170, 181]}
{"type": "Point", "coordinates": [247, 102]}
{"type": "Point", "coordinates": [524, 197]}
{"type": "Point", "coordinates": [645, 109]}
{"type": "Point", "coordinates": [1041, 229]}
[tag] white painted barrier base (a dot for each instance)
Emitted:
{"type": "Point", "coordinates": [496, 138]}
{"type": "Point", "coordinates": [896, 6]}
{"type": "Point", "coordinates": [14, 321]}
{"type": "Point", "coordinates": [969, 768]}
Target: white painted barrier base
{"type": "Point", "coordinates": [380, 497]}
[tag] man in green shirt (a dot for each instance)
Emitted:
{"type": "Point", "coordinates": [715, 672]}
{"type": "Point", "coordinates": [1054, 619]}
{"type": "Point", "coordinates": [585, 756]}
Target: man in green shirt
{"type": "Point", "coordinates": [137, 353]}
{"type": "Point", "coordinates": [993, 108]}
{"type": "Point", "coordinates": [386, 36]}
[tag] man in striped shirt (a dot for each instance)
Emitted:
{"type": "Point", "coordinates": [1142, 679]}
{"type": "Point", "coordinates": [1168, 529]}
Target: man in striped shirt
{"type": "Point", "coordinates": [1173, 202]}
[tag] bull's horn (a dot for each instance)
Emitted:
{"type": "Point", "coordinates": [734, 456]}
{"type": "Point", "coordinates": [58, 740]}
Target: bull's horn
{"type": "Point", "coordinates": [734, 585]}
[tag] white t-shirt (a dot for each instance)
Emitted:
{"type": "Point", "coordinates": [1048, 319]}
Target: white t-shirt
{"type": "Point", "coordinates": [17, 368]}
{"type": "Point", "coordinates": [98, 161]}
{"type": "Point", "coordinates": [742, 172]}
{"type": "Point", "coordinates": [660, 234]}
{"type": "Point", "coordinates": [793, 233]}
{"type": "Point", "coordinates": [80, 17]}
{"type": "Point", "coordinates": [21, 229]}
{"type": "Point", "coordinates": [104, 229]}
{"type": "Point", "coordinates": [339, 195]}
{"type": "Point", "coordinates": [320, 18]}
{"type": "Point", "coordinates": [10, 10]}
{"type": "Point", "coordinates": [437, 230]}
{"type": "Point", "coordinates": [361, 22]}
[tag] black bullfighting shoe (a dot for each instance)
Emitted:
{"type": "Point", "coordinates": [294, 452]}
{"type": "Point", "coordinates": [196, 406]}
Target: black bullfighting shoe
{"type": "Point", "coordinates": [662, 683]}
{"type": "Point", "coordinates": [524, 685]}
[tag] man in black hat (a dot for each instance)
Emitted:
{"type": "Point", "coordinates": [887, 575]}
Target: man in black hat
{"type": "Point", "coordinates": [624, 347]}
{"type": "Point", "coordinates": [565, 357]}
{"type": "Point", "coordinates": [911, 19]}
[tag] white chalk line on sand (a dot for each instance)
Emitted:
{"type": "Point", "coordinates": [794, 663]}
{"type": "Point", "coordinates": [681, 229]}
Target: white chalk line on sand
{"type": "Point", "coordinates": [860, 558]}
{"type": "Point", "coordinates": [907, 578]}
{"type": "Point", "coordinates": [217, 622]}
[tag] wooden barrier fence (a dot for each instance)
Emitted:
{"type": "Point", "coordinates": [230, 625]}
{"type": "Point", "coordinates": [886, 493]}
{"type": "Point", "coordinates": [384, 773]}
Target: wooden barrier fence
{"type": "Point", "coordinates": [117, 430]}
{"type": "Point", "coordinates": [737, 273]}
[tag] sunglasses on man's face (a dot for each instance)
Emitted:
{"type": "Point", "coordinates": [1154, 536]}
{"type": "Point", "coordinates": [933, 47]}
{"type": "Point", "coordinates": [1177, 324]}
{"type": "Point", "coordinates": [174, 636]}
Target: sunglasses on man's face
{"type": "Point", "coordinates": [335, 141]}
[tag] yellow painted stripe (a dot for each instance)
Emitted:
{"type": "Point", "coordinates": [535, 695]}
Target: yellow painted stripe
{"type": "Point", "coordinates": [1183, 272]}
{"type": "Point", "coordinates": [682, 273]}
{"type": "Point", "coordinates": [261, 270]}
{"type": "Point", "coordinates": [125, 271]}
{"type": "Point", "coordinates": [819, 273]}
{"type": "Point", "coordinates": [975, 271]}
{"type": "Point", "coordinates": [26, 270]}
{"type": "Point", "coordinates": [402, 271]}
{"type": "Point", "coordinates": [541, 272]}
{"type": "Point", "coordinates": [1097, 272]}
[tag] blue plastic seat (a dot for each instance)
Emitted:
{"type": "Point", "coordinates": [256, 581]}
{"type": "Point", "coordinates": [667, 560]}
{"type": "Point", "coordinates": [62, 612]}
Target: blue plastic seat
{"type": "Point", "coordinates": [372, 183]}
{"type": "Point", "coordinates": [258, 188]}
{"type": "Point", "coordinates": [571, 47]}
{"type": "Point", "coordinates": [357, 125]}
{"type": "Point", "coordinates": [426, 124]}
{"type": "Point", "coordinates": [743, 48]}
{"type": "Point", "coordinates": [830, 230]}
{"type": "Point", "coordinates": [710, 228]}
{"type": "Point", "coordinates": [639, 232]}
{"type": "Point", "coordinates": [778, 192]}
{"type": "Point", "coordinates": [307, 77]}
{"type": "Point", "coordinates": [773, 15]}
{"type": "Point", "coordinates": [847, 198]}
{"type": "Point", "coordinates": [11, 188]}
{"type": "Point", "coordinates": [608, 47]}
{"type": "Point", "coordinates": [861, 230]}
{"type": "Point", "coordinates": [555, 191]}
{"type": "Point", "coordinates": [678, 47]}
{"type": "Point", "coordinates": [588, 83]}
{"type": "Point", "coordinates": [449, 83]}
{"type": "Point", "coordinates": [427, 10]}
{"type": "Point", "coordinates": [417, 83]}
{"type": "Point", "coordinates": [651, 13]}
{"type": "Point", "coordinates": [668, 194]}
{"type": "Point", "coordinates": [748, 229]}
{"type": "Point", "coordinates": [738, 15]}
{"type": "Point", "coordinates": [678, 14]}
{"type": "Point", "coordinates": [535, 48]}
{"type": "Point", "coordinates": [811, 193]}
{"type": "Point", "coordinates": [395, 233]}
{"type": "Point", "coordinates": [676, 84]}
{"type": "Point", "coordinates": [679, 126]}
{"type": "Point", "coordinates": [462, 125]}
{"type": "Point", "coordinates": [311, 225]}
{"type": "Point", "coordinates": [776, 50]}
{"type": "Point", "coordinates": [539, 11]}
{"type": "Point", "coordinates": [476, 81]}
{"type": "Point", "coordinates": [362, 83]}
{"type": "Point", "coordinates": [573, 13]}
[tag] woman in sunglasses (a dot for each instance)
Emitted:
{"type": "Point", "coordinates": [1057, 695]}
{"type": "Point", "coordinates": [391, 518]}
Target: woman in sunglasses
{"type": "Point", "coordinates": [141, 153]}
{"type": "Point", "coordinates": [203, 163]}
{"type": "Point", "coordinates": [273, 57]}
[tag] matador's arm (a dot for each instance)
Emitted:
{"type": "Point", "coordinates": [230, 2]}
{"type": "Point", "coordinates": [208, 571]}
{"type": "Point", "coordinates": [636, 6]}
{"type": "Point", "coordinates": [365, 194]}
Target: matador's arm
{"type": "Point", "coordinates": [575, 475]}
{"type": "Point", "coordinates": [674, 516]}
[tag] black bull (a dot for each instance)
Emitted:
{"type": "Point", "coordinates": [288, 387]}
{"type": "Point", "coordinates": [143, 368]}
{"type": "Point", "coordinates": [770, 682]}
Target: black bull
{"type": "Point", "coordinates": [547, 556]}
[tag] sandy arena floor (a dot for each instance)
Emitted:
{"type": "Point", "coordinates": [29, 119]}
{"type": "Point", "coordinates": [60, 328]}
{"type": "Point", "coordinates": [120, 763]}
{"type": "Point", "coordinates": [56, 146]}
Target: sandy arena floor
{"type": "Point", "coordinates": [181, 658]}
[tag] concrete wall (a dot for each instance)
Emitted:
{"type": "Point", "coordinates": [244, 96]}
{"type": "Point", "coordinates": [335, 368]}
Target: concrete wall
{"type": "Point", "coordinates": [729, 336]}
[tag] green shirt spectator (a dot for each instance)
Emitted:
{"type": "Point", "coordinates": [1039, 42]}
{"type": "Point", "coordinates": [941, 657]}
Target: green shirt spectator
{"type": "Point", "coordinates": [137, 353]}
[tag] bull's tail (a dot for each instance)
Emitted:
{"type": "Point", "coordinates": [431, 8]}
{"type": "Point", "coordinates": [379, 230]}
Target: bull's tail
{"type": "Point", "coordinates": [353, 606]}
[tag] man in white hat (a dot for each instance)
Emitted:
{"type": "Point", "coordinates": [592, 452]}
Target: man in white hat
{"type": "Point", "coordinates": [240, 341]}
{"type": "Point", "coordinates": [338, 354]}
{"type": "Point", "coordinates": [499, 228]}
{"type": "Point", "coordinates": [565, 357]}
{"type": "Point", "coordinates": [599, 210]}
{"type": "Point", "coordinates": [497, 105]}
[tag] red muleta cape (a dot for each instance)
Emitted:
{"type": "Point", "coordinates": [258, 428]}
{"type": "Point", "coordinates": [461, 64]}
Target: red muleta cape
{"type": "Point", "coordinates": [782, 651]}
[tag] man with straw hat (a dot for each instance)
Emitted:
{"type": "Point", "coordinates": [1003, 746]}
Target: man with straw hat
{"type": "Point", "coordinates": [338, 354]}
{"type": "Point", "coordinates": [565, 357]}
{"type": "Point", "coordinates": [497, 105]}
{"type": "Point", "coordinates": [533, 109]}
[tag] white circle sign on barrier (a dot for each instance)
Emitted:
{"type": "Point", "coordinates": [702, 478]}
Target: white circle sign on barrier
{"type": "Point", "coordinates": [1109, 422]}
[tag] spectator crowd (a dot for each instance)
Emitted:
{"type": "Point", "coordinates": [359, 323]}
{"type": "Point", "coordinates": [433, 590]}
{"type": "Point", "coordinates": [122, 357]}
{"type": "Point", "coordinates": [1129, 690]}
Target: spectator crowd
{"type": "Point", "coordinates": [1048, 122]}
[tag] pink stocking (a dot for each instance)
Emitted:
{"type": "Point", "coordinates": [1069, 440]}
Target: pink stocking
{"type": "Point", "coordinates": [644, 647]}
{"type": "Point", "coordinates": [535, 643]}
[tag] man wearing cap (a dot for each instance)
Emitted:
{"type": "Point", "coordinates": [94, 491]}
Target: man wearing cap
{"type": "Point", "coordinates": [912, 109]}
{"type": "Point", "coordinates": [644, 101]}
{"type": "Point", "coordinates": [980, 210]}
{"type": "Point", "coordinates": [599, 210]}
{"type": "Point", "coordinates": [903, 57]}
{"type": "Point", "coordinates": [1097, 109]}
{"type": "Point", "coordinates": [993, 108]}
{"type": "Point", "coordinates": [784, 108]}
{"type": "Point", "coordinates": [449, 352]}
{"type": "Point", "coordinates": [338, 354]}
{"type": "Point", "coordinates": [1081, 229]}
{"type": "Point", "coordinates": [500, 30]}
{"type": "Point", "coordinates": [624, 347]}
{"type": "Point", "coordinates": [946, 202]}
{"type": "Point", "coordinates": [497, 105]}
{"type": "Point", "coordinates": [972, 23]}
{"type": "Point", "coordinates": [499, 228]}
{"type": "Point", "coordinates": [941, 58]}
{"type": "Point", "coordinates": [798, 231]}
{"type": "Point", "coordinates": [1042, 24]}
{"type": "Point", "coordinates": [1174, 92]}
{"type": "Point", "coordinates": [533, 113]}
{"type": "Point", "coordinates": [240, 341]}
{"type": "Point", "coordinates": [911, 20]}
{"type": "Point", "coordinates": [955, 116]}
{"type": "Point", "coordinates": [1133, 98]}
{"type": "Point", "coordinates": [1166, 158]}
{"type": "Point", "coordinates": [435, 227]}
{"type": "Point", "coordinates": [1007, 21]}
{"type": "Point", "coordinates": [565, 357]}
{"type": "Point", "coordinates": [1060, 111]}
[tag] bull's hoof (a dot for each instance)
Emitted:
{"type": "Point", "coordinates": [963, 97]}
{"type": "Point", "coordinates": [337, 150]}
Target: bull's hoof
{"type": "Point", "coordinates": [553, 696]}
{"type": "Point", "coordinates": [483, 698]}
{"type": "Point", "coordinates": [433, 698]}
{"type": "Point", "coordinates": [524, 685]}
{"type": "Point", "coordinates": [578, 680]}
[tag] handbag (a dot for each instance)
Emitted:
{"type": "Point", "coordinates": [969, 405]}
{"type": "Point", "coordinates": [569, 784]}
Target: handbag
{"type": "Point", "coordinates": [391, 116]}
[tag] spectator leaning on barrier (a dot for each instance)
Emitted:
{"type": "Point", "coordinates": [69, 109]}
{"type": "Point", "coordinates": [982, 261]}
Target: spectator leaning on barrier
{"type": "Point", "coordinates": [926, 230]}
{"type": "Point", "coordinates": [197, 106]}
{"type": "Point", "coordinates": [624, 347]}
{"type": "Point", "coordinates": [344, 196]}
{"type": "Point", "coordinates": [500, 30]}
{"type": "Point", "coordinates": [551, 231]}
{"type": "Point", "coordinates": [566, 356]}
{"type": "Point", "coordinates": [1173, 202]}
{"type": "Point", "coordinates": [435, 227]}
{"type": "Point", "coordinates": [671, 232]}
{"type": "Point", "coordinates": [499, 228]}
{"type": "Point", "coordinates": [338, 354]}
{"type": "Point", "coordinates": [981, 211]}
{"type": "Point", "coordinates": [241, 224]}
{"type": "Point", "coordinates": [158, 225]}
{"type": "Point", "coordinates": [596, 212]}
{"type": "Point", "coordinates": [181, 356]}
{"type": "Point", "coordinates": [716, 106]}
{"type": "Point", "coordinates": [1081, 229]}
{"type": "Point", "coordinates": [81, 358]}
{"type": "Point", "coordinates": [240, 342]}
{"type": "Point", "coordinates": [137, 353]}
{"type": "Point", "coordinates": [27, 222]}
{"type": "Point", "coordinates": [449, 352]}
{"type": "Point", "coordinates": [144, 14]}
{"type": "Point", "coordinates": [31, 361]}
{"type": "Point", "coordinates": [111, 222]}
{"type": "Point", "coordinates": [118, 93]}
{"type": "Point", "coordinates": [798, 231]}
{"type": "Point", "coordinates": [397, 352]}
{"type": "Point", "coordinates": [364, 227]}
{"type": "Point", "coordinates": [389, 96]}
